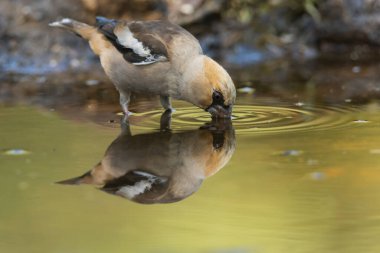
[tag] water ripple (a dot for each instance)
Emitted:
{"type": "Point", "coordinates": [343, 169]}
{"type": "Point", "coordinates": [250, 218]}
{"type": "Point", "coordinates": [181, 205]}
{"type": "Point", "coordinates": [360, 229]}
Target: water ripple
{"type": "Point", "coordinates": [258, 119]}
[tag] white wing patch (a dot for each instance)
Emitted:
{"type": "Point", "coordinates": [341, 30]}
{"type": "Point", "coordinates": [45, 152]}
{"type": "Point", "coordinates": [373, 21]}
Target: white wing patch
{"type": "Point", "coordinates": [140, 187]}
{"type": "Point", "coordinates": [144, 174]}
{"type": "Point", "coordinates": [126, 39]}
{"type": "Point", "coordinates": [136, 189]}
{"type": "Point", "coordinates": [151, 59]}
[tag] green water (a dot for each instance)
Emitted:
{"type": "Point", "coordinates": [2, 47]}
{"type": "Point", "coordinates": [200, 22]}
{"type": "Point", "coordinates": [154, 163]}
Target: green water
{"type": "Point", "coordinates": [302, 178]}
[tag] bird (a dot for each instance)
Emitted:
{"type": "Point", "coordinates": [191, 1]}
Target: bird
{"type": "Point", "coordinates": [157, 57]}
{"type": "Point", "coordinates": [161, 167]}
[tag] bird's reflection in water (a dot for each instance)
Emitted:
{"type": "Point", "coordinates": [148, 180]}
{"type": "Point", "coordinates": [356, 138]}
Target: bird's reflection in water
{"type": "Point", "coordinates": [161, 167]}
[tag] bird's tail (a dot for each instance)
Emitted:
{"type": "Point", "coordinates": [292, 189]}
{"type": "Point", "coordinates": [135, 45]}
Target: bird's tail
{"type": "Point", "coordinates": [81, 29]}
{"type": "Point", "coordinates": [84, 179]}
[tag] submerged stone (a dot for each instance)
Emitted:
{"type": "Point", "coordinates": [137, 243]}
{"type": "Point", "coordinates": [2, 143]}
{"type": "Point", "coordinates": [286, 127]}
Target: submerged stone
{"type": "Point", "coordinates": [361, 121]}
{"type": "Point", "coordinates": [290, 152]}
{"type": "Point", "coordinates": [246, 90]}
{"type": "Point", "coordinates": [16, 152]}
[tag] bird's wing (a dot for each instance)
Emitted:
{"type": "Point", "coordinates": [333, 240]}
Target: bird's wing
{"type": "Point", "coordinates": [135, 183]}
{"type": "Point", "coordinates": [138, 42]}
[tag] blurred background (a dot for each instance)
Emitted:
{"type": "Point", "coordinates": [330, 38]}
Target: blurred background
{"type": "Point", "coordinates": [305, 175]}
{"type": "Point", "coordinates": [262, 43]}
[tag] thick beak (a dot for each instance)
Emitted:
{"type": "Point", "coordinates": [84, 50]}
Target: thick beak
{"type": "Point", "coordinates": [219, 111]}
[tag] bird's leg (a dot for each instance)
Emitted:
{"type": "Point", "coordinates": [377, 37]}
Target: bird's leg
{"type": "Point", "coordinates": [124, 124]}
{"type": "Point", "coordinates": [124, 101]}
{"type": "Point", "coordinates": [165, 121]}
{"type": "Point", "coordinates": [165, 102]}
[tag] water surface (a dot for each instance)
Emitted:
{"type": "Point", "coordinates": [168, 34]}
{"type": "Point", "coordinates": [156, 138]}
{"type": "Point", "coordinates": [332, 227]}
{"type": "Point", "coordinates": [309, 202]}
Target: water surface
{"type": "Point", "coordinates": [304, 177]}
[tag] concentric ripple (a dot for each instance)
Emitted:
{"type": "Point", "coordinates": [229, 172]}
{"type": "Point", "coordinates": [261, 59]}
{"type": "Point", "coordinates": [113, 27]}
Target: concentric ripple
{"type": "Point", "coordinates": [258, 119]}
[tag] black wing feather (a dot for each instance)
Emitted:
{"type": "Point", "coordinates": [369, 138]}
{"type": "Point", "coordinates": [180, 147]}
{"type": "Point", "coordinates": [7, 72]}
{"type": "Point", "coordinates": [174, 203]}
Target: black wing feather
{"type": "Point", "coordinates": [107, 26]}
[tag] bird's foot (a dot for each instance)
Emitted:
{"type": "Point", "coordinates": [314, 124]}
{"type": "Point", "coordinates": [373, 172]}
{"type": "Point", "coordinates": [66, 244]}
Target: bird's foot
{"type": "Point", "coordinates": [124, 125]}
{"type": "Point", "coordinates": [165, 121]}
{"type": "Point", "coordinates": [122, 113]}
{"type": "Point", "coordinates": [128, 113]}
{"type": "Point", "coordinates": [166, 103]}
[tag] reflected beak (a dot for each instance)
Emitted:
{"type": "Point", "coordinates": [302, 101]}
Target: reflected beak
{"type": "Point", "coordinates": [219, 111]}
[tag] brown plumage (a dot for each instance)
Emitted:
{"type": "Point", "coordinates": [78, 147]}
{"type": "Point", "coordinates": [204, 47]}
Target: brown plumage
{"type": "Point", "coordinates": [157, 57]}
{"type": "Point", "coordinates": [161, 167]}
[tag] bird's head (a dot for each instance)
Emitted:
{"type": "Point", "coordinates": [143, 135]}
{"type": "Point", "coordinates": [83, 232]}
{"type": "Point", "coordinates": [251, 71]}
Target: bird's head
{"type": "Point", "coordinates": [210, 87]}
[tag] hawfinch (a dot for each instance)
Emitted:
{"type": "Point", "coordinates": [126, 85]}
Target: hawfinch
{"type": "Point", "coordinates": [159, 58]}
{"type": "Point", "coordinates": [161, 167]}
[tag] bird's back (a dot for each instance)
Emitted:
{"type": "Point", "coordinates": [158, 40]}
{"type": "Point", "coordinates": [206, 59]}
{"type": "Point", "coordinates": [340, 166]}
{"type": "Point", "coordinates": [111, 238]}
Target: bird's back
{"type": "Point", "coordinates": [146, 56]}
